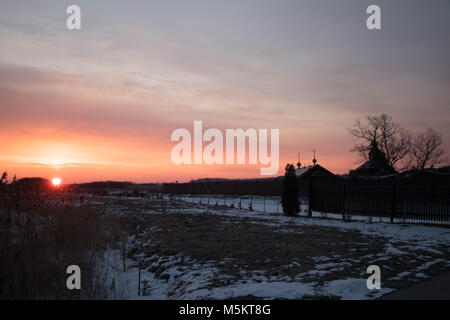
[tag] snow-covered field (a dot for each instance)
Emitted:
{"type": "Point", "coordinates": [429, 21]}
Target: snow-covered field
{"type": "Point", "coordinates": [192, 250]}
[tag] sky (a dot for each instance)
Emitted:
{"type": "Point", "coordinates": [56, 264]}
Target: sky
{"type": "Point", "coordinates": [101, 103]}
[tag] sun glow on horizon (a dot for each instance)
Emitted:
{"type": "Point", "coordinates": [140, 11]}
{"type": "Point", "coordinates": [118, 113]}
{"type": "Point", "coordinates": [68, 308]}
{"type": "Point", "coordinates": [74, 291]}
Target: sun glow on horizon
{"type": "Point", "coordinates": [56, 181]}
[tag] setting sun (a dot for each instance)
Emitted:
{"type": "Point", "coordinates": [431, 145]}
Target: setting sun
{"type": "Point", "coordinates": [56, 181]}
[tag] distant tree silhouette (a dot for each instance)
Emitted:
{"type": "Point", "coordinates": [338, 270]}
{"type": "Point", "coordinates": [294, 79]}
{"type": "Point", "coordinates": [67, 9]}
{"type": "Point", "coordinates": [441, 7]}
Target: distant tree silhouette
{"type": "Point", "coordinates": [427, 151]}
{"type": "Point", "coordinates": [403, 149]}
{"type": "Point", "coordinates": [289, 199]}
{"type": "Point", "coordinates": [393, 140]}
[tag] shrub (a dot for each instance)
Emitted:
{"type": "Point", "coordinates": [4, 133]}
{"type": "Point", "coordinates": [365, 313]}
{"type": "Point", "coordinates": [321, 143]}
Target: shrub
{"type": "Point", "coordinates": [290, 192]}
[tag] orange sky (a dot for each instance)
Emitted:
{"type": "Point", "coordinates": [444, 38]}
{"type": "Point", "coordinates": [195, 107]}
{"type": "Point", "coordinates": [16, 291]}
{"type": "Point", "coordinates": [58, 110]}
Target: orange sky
{"type": "Point", "coordinates": [100, 103]}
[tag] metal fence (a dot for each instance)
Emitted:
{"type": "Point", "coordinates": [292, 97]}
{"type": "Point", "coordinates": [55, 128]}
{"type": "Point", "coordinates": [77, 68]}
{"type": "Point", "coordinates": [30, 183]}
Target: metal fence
{"type": "Point", "coordinates": [414, 198]}
{"type": "Point", "coordinates": [424, 199]}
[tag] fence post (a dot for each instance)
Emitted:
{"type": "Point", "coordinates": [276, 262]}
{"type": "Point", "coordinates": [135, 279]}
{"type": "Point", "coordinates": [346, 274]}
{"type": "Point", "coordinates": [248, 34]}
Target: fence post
{"type": "Point", "coordinates": [139, 277]}
{"type": "Point", "coordinates": [344, 207]}
{"type": "Point", "coordinates": [394, 200]}
{"type": "Point", "coordinates": [310, 191]}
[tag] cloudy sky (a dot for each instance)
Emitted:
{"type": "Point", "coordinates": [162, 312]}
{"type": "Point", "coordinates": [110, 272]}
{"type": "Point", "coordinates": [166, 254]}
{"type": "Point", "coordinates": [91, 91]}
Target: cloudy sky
{"type": "Point", "coordinates": [101, 102]}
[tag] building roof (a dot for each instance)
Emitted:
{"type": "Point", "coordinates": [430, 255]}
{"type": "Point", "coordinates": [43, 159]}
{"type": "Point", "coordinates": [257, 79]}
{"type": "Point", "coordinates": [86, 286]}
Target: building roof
{"type": "Point", "coordinates": [442, 171]}
{"type": "Point", "coordinates": [377, 165]}
{"type": "Point", "coordinates": [313, 171]}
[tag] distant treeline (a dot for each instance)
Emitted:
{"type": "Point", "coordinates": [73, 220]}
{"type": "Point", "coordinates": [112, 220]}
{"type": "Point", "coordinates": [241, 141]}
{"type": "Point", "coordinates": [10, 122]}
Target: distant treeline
{"type": "Point", "coordinates": [106, 184]}
{"type": "Point", "coordinates": [106, 187]}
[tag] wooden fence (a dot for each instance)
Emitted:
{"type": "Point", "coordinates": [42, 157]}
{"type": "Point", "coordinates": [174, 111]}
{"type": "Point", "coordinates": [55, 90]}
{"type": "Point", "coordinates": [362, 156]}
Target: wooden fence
{"type": "Point", "coordinates": [423, 199]}
{"type": "Point", "coordinates": [399, 199]}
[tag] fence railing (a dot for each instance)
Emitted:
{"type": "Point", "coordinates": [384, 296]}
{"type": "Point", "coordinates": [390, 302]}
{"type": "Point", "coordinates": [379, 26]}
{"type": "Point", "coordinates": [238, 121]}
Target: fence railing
{"type": "Point", "coordinates": [425, 199]}
{"type": "Point", "coordinates": [397, 199]}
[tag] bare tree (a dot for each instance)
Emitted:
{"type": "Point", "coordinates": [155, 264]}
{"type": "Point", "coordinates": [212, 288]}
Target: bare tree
{"type": "Point", "coordinates": [427, 151]}
{"type": "Point", "coordinates": [392, 139]}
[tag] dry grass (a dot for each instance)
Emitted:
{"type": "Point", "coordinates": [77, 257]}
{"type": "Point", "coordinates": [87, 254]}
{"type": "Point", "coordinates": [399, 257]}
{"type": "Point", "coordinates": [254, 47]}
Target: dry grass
{"type": "Point", "coordinates": [241, 246]}
{"type": "Point", "coordinates": [41, 236]}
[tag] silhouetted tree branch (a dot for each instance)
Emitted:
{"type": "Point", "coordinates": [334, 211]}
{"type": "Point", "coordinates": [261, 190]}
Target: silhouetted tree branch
{"type": "Point", "coordinates": [392, 139]}
{"type": "Point", "coordinates": [427, 151]}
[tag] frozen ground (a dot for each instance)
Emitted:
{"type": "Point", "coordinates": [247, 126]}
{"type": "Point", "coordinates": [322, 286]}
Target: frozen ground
{"type": "Point", "coordinates": [189, 250]}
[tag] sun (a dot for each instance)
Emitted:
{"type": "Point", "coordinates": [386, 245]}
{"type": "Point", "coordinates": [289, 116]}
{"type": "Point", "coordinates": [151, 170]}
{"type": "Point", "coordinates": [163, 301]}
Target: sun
{"type": "Point", "coordinates": [56, 181]}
